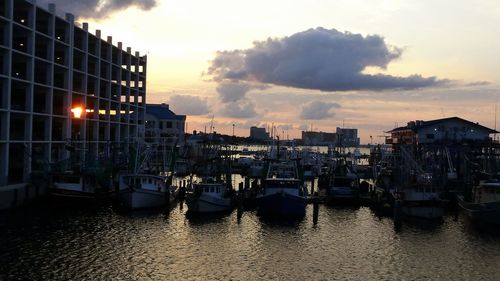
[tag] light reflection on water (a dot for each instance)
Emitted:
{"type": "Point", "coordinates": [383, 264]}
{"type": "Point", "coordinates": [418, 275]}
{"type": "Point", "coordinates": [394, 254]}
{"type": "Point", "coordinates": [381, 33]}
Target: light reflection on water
{"type": "Point", "coordinates": [347, 244]}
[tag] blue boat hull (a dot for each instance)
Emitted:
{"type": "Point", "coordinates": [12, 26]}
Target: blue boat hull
{"type": "Point", "coordinates": [281, 204]}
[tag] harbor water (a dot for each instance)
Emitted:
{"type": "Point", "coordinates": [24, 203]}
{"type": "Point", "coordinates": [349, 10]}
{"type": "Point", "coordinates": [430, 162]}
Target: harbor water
{"type": "Point", "coordinates": [105, 243]}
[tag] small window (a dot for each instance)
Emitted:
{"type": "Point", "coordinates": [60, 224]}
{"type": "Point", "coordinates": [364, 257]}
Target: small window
{"type": "Point", "coordinates": [212, 189]}
{"type": "Point", "coordinates": [218, 189]}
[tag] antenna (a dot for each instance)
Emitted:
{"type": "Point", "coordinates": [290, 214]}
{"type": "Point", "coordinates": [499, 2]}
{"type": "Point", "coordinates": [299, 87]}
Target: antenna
{"type": "Point", "coordinates": [495, 133]}
{"type": "Point", "coordinates": [212, 124]}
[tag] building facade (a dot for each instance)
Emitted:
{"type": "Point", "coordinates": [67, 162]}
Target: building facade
{"type": "Point", "coordinates": [347, 137]}
{"type": "Point", "coordinates": [318, 138]}
{"type": "Point", "coordinates": [163, 124]}
{"type": "Point", "coordinates": [452, 130]}
{"type": "Point", "coordinates": [257, 133]}
{"type": "Point", "coordinates": [63, 91]}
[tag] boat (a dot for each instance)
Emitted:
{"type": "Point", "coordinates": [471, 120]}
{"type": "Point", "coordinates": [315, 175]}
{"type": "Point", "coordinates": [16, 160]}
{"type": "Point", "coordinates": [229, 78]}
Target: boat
{"type": "Point", "coordinates": [77, 186]}
{"type": "Point", "coordinates": [142, 188]}
{"type": "Point", "coordinates": [485, 204]}
{"type": "Point", "coordinates": [343, 185]}
{"type": "Point", "coordinates": [282, 193]}
{"type": "Point", "coordinates": [421, 199]}
{"type": "Point", "coordinates": [210, 196]}
{"type": "Point", "coordinates": [73, 181]}
{"type": "Point", "coordinates": [256, 169]}
{"type": "Point", "coordinates": [139, 191]}
{"type": "Point", "coordinates": [417, 190]}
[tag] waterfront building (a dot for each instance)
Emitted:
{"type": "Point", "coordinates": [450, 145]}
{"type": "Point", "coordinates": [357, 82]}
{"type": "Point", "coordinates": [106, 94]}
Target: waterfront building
{"type": "Point", "coordinates": [318, 138]}
{"type": "Point", "coordinates": [451, 130]}
{"type": "Point", "coordinates": [347, 137]}
{"type": "Point", "coordinates": [258, 133]}
{"type": "Point", "coordinates": [163, 123]}
{"type": "Point", "coordinates": [63, 91]}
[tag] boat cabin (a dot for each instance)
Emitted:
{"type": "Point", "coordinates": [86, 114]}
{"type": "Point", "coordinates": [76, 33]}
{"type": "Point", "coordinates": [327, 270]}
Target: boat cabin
{"type": "Point", "coordinates": [487, 191]}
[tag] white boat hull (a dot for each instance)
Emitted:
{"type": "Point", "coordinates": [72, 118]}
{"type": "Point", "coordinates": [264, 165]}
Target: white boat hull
{"type": "Point", "coordinates": [140, 198]}
{"type": "Point", "coordinates": [207, 204]}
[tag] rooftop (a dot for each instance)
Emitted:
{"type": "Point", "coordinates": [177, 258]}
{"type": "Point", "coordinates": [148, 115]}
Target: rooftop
{"type": "Point", "coordinates": [162, 111]}
{"type": "Point", "coordinates": [419, 124]}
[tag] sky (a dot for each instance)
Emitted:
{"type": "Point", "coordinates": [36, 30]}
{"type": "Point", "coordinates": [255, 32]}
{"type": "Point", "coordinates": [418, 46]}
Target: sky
{"type": "Point", "coordinates": [320, 64]}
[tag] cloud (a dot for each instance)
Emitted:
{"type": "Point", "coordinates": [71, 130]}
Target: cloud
{"type": "Point", "coordinates": [235, 91]}
{"type": "Point", "coordinates": [231, 92]}
{"type": "Point", "coordinates": [97, 8]}
{"type": "Point", "coordinates": [320, 59]}
{"type": "Point", "coordinates": [304, 127]}
{"type": "Point", "coordinates": [189, 105]}
{"type": "Point", "coordinates": [242, 109]}
{"type": "Point", "coordinates": [317, 110]}
{"type": "Point", "coordinates": [285, 127]}
{"type": "Point", "coordinates": [478, 83]}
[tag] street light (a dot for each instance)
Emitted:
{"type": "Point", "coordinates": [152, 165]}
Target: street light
{"type": "Point", "coordinates": [77, 112]}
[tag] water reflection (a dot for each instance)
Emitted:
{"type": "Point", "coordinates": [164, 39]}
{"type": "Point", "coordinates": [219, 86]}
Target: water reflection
{"type": "Point", "coordinates": [52, 243]}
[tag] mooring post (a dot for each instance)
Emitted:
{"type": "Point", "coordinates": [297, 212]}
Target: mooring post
{"type": "Point", "coordinates": [397, 213]}
{"type": "Point", "coordinates": [247, 182]}
{"type": "Point", "coordinates": [240, 202]}
{"type": "Point", "coordinates": [315, 208]}
{"type": "Point", "coordinates": [312, 186]}
{"type": "Point", "coordinates": [455, 208]}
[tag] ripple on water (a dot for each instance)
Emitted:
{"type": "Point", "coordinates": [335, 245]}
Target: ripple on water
{"type": "Point", "coordinates": [347, 244]}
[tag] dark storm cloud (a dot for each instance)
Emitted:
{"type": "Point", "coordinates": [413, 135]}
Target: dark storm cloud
{"type": "Point", "coordinates": [320, 59]}
{"type": "Point", "coordinates": [318, 110]}
{"type": "Point", "coordinates": [97, 8]}
{"type": "Point", "coordinates": [189, 105]}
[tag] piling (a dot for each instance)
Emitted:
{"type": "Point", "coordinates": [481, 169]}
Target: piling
{"type": "Point", "coordinates": [397, 213]}
{"type": "Point", "coordinates": [315, 208]}
{"type": "Point", "coordinates": [240, 202]}
{"type": "Point", "coordinates": [312, 186]}
{"type": "Point", "coordinates": [455, 207]}
{"type": "Point", "coordinates": [182, 194]}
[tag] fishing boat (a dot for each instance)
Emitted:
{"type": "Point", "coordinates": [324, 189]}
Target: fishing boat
{"type": "Point", "coordinates": [143, 188]}
{"type": "Point", "coordinates": [421, 199]}
{"type": "Point", "coordinates": [73, 182]}
{"type": "Point", "coordinates": [485, 204]}
{"type": "Point", "coordinates": [210, 196]}
{"type": "Point", "coordinates": [69, 185]}
{"type": "Point", "coordinates": [282, 193]}
{"type": "Point", "coordinates": [146, 191]}
{"type": "Point", "coordinates": [343, 185]}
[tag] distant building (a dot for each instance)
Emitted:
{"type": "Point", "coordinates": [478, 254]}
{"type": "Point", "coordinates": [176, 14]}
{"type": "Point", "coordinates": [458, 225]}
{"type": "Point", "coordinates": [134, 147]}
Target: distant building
{"type": "Point", "coordinates": [318, 138]}
{"type": "Point", "coordinates": [258, 133]}
{"type": "Point", "coordinates": [347, 137]}
{"type": "Point", "coordinates": [452, 129]}
{"type": "Point", "coordinates": [162, 124]}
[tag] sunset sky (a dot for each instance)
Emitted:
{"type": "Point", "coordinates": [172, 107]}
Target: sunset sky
{"type": "Point", "coordinates": [367, 64]}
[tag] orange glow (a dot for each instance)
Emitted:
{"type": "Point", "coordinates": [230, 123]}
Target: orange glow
{"type": "Point", "coordinates": [77, 112]}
